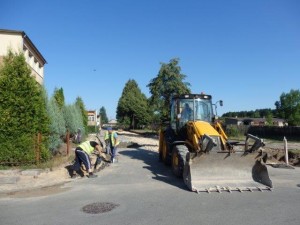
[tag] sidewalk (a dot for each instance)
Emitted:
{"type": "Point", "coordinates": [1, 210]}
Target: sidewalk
{"type": "Point", "coordinates": [12, 181]}
{"type": "Point", "coordinates": [17, 180]}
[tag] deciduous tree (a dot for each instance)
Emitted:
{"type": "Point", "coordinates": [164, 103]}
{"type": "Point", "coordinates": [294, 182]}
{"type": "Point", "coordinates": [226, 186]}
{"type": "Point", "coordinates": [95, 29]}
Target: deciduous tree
{"type": "Point", "coordinates": [288, 107]}
{"type": "Point", "coordinates": [168, 82]}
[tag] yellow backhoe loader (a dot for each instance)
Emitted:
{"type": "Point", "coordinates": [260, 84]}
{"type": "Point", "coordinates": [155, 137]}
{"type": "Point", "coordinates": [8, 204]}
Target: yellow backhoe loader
{"type": "Point", "coordinates": [198, 150]}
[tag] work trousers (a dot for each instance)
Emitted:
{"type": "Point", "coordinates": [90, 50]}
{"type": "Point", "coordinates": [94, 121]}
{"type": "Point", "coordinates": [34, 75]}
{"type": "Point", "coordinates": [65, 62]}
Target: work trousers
{"type": "Point", "coordinates": [81, 157]}
{"type": "Point", "coordinates": [113, 152]}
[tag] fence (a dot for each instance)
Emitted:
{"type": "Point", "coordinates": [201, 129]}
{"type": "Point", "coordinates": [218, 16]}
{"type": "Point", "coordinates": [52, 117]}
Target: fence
{"type": "Point", "coordinates": [273, 132]}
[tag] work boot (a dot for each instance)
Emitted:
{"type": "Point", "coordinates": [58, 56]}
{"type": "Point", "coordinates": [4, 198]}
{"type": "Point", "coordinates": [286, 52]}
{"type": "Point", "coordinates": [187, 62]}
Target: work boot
{"type": "Point", "coordinates": [91, 175]}
{"type": "Point", "coordinates": [74, 176]}
{"type": "Point", "coordinates": [77, 173]}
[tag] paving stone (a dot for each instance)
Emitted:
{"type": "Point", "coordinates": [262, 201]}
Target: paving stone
{"type": "Point", "coordinates": [9, 180]}
{"type": "Point", "coordinates": [9, 172]}
{"type": "Point", "coordinates": [32, 172]}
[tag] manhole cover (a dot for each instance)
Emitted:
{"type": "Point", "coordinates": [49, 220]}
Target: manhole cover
{"type": "Point", "coordinates": [99, 207]}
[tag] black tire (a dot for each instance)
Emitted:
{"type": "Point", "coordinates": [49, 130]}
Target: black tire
{"type": "Point", "coordinates": [163, 153]}
{"type": "Point", "coordinates": [166, 140]}
{"type": "Point", "coordinates": [179, 159]}
{"type": "Point", "coordinates": [161, 145]}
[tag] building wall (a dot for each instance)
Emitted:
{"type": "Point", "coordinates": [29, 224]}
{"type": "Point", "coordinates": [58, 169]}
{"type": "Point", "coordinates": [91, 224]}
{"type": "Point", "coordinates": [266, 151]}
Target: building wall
{"type": "Point", "coordinates": [233, 121]}
{"type": "Point", "coordinates": [92, 118]}
{"type": "Point", "coordinates": [37, 68]}
{"type": "Point", "coordinates": [14, 41]}
{"type": "Point", "coordinates": [10, 41]}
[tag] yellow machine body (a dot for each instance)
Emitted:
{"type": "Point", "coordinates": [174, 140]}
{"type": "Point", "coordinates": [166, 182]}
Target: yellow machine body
{"type": "Point", "coordinates": [199, 151]}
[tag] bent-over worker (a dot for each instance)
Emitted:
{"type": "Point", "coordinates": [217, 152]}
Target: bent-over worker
{"type": "Point", "coordinates": [82, 155]}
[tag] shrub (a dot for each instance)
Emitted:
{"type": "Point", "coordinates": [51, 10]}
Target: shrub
{"type": "Point", "coordinates": [73, 119]}
{"type": "Point", "coordinates": [57, 125]}
{"type": "Point", "coordinates": [23, 112]}
{"type": "Point", "coordinates": [232, 131]}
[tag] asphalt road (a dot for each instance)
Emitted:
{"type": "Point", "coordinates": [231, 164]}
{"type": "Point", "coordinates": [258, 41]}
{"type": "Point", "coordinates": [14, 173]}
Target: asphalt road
{"type": "Point", "coordinates": [139, 190]}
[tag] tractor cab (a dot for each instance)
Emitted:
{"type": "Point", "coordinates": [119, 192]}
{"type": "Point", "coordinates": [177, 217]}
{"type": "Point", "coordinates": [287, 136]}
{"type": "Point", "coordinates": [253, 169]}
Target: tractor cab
{"type": "Point", "coordinates": [191, 107]}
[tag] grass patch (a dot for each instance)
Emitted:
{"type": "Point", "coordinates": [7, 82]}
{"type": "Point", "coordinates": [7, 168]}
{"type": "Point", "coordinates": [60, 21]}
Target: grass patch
{"type": "Point", "coordinates": [237, 138]}
{"type": "Point", "coordinates": [56, 161]}
{"type": "Point", "coordinates": [2, 167]}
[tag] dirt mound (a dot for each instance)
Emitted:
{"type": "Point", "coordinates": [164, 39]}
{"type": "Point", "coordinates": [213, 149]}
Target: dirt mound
{"type": "Point", "coordinates": [277, 155]}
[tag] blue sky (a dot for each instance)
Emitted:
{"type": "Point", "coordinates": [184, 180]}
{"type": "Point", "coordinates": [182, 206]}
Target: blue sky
{"type": "Point", "coordinates": [246, 53]}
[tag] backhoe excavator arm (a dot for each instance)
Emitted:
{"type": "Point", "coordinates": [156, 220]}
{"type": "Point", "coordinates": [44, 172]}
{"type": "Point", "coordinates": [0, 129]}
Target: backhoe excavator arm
{"type": "Point", "coordinates": [223, 136]}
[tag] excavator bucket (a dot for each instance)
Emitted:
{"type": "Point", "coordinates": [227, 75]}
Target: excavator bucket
{"type": "Point", "coordinates": [226, 172]}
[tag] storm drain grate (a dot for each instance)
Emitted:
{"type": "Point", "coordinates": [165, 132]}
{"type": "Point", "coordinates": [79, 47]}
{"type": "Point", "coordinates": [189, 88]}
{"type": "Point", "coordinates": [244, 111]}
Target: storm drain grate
{"type": "Point", "coordinates": [99, 207]}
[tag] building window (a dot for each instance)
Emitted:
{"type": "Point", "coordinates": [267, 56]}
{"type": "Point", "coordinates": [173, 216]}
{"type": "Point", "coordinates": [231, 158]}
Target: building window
{"type": "Point", "coordinates": [91, 118]}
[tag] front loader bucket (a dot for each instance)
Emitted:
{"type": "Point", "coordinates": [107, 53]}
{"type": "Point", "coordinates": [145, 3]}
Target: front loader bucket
{"type": "Point", "coordinates": [218, 172]}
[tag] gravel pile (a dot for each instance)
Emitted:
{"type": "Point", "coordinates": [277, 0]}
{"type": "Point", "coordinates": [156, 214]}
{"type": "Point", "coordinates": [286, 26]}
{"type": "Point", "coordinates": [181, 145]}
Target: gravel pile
{"type": "Point", "coordinates": [132, 140]}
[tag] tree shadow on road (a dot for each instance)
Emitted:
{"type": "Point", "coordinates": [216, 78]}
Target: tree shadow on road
{"type": "Point", "coordinates": [160, 171]}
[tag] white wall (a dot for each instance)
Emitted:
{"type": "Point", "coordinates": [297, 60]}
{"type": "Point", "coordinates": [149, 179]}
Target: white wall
{"type": "Point", "coordinates": [13, 42]}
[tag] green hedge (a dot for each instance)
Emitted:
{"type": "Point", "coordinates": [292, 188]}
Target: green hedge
{"type": "Point", "coordinates": [23, 113]}
{"type": "Point", "coordinates": [92, 129]}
